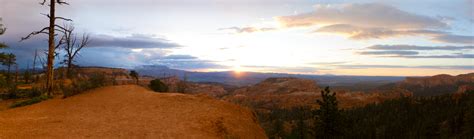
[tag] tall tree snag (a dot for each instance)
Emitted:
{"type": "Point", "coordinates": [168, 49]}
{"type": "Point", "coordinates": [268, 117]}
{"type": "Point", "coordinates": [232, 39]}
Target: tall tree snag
{"type": "Point", "coordinates": [51, 40]}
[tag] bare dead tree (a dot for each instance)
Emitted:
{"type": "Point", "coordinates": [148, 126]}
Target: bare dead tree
{"type": "Point", "coordinates": [51, 39]}
{"type": "Point", "coordinates": [9, 61]}
{"type": "Point", "coordinates": [72, 46]}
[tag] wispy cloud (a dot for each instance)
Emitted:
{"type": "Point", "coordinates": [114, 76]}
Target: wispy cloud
{"type": "Point", "coordinates": [348, 65]}
{"type": "Point", "coordinates": [362, 66]}
{"type": "Point", "coordinates": [413, 51]}
{"type": "Point", "coordinates": [369, 15]}
{"type": "Point", "coordinates": [247, 29]}
{"type": "Point", "coordinates": [374, 21]}
{"type": "Point", "coordinates": [362, 33]}
{"type": "Point", "coordinates": [451, 56]}
{"type": "Point", "coordinates": [449, 38]}
{"type": "Point", "coordinates": [397, 53]}
{"type": "Point", "coordinates": [132, 41]}
{"type": "Point", "coordinates": [415, 47]}
{"type": "Point", "coordinates": [282, 69]}
{"type": "Point", "coordinates": [412, 54]}
{"type": "Point", "coordinates": [179, 57]}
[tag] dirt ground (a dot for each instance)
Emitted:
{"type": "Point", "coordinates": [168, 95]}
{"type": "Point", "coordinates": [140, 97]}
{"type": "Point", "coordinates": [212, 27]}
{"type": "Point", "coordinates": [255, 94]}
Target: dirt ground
{"type": "Point", "coordinates": [130, 111]}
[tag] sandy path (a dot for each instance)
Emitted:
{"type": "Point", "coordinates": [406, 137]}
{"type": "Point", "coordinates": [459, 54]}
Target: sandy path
{"type": "Point", "coordinates": [129, 112]}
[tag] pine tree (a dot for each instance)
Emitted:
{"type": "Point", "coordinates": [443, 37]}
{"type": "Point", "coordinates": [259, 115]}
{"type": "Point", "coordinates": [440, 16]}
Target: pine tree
{"type": "Point", "coordinates": [134, 75]}
{"type": "Point", "coordinates": [328, 118]}
{"type": "Point", "coordinates": [9, 61]}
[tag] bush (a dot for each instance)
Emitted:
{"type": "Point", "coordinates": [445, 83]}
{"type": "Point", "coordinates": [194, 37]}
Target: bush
{"type": "Point", "coordinates": [158, 86]}
{"type": "Point", "coordinates": [3, 81]}
{"type": "Point", "coordinates": [30, 101]}
{"type": "Point", "coordinates": [14, 93]}
{"type": "Point", "coordinates": [82, 85]}
{"type": "Point", "coordinates": [98, 80]}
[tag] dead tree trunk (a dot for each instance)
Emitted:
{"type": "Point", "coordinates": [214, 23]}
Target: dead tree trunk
{"type": "Point", "coordinates": [51, 41]}
{"type": "Point", "coordinates": [50, 70]}
{"type": "Point", "coordinates": [34, 65]}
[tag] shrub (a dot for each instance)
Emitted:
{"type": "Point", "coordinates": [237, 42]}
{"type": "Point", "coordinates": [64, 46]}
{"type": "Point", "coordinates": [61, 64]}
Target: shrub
{"type": "Point", "coordinates": [158, 86]}
{"type": "Point", "coordinates": [13, 93]}
{"type": "Point", "coordinates": [98, 80]}
{"type": "Point", "coordinates": [81, 85]}
{"type": "Point", "coordinates": [3, 81]}
{"type": "Point", "coordinates": [30, 101]}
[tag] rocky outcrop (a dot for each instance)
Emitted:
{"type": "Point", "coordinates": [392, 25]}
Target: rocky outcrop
{"type": "Point", "coordinates": [435, 85]}
{"type": "Point", "coordinates": [176, 85]}
{"type": "Point", "coordinates": [280, 86]}
{"type": "Point", "coordinates": [295, 92]}
{"type": "Point", "coordinates": [277, 93]}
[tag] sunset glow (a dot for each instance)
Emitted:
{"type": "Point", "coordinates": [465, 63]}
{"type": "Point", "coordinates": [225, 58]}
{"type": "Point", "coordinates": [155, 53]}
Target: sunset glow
{"type": "Point", "coordinates": [339, 37]}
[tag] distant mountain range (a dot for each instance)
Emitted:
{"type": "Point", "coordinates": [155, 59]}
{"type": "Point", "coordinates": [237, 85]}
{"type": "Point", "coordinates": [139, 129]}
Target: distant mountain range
{"type": "Point", "coordinates": [251, 78]}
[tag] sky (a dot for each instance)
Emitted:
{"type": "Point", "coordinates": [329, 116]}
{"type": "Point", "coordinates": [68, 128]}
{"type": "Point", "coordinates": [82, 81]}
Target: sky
{"type": "Point", "coordinates": [339, 37]}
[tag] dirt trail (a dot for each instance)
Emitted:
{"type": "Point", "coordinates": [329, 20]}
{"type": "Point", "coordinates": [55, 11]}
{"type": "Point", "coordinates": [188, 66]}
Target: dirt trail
{"type": "Point", "coordinates": [130, 112]}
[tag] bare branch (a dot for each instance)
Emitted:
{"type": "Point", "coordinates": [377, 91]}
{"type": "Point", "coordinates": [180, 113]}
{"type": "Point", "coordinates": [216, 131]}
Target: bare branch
{"type": "Point", "coordinates": [62, 2]}
{"type": "Point", "coordinates": [84, 42]}
{"type": "Point", "coordinates": [42, 3]}
{"type": "Point", "coordinates": [61, 27]}
{"type": "Point", "coordinates": [65, 19]}
{"type": "Point", "coordinates": [35, 33]}
{"type": "Point", "coordinates": [61, 42]}
{"type": "Point", "coordinates": [47, 15]}
{"type": "Point", "coordinates": [60, 30]}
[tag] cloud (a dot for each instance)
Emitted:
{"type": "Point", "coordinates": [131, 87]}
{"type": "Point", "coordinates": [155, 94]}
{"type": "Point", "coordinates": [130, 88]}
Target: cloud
{"type": "Point", "coordinates": [349, 65]}
{"type": "Point", "coordinates": [285, 69]}
{"type": "Point", "coordinates": [132, 41]}
{"type": "Point", "coordinates": [415, 47]}
{"type": "Point", "coordinates": [412, 54]}
{"type": "Point", "coordinates": [247, 29]}
{"type": "Point", "coordinates": [448, 38]}
{"type": "Point", "coordinates": [397, 53]}
{"type": "Point", "coordinates": [362, 66]}
{"type": "Point", "coordinates": [124, 57]}
{"type": "Point", "coordinates": [374, 21]}
{"type": "Point", "coordinates": [452, 56]}
{"type": "Point", "coordinates": [185, 62]}
{"type": "Point", "coordinates": [361, 33]}
{"type": "Point", "coordinates": [367, 15]}
{"type": "Point", "coordinates": [109, 57]}
{"type": "Point", "coordinates": [327, 63]}
{"type": "Point", "coordinates": [190, 64]}
{"type": "Point", "coordinates": [179, 57]}
{"type": "Point", "coordinates": [104, 50]}
{"type": "Point", "coordinates": [411, 51]}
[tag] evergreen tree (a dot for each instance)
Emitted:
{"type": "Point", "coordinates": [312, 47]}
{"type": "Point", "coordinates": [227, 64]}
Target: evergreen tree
{"type": "Point", "coordinates": [134, 75]}
{"type": "Point", "coordinates": [9, 60]}
{"type": "Point", "coordinates": [328, 118]}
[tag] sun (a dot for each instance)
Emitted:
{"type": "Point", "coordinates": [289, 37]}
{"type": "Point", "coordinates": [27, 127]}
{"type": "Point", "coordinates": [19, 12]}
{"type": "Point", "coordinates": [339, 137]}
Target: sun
{"type": "Point", "coordinates": [238, 71]}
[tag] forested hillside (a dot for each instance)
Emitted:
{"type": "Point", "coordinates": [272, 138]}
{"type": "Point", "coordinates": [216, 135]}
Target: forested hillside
{"type": "Point", "coordinates": [446, 116]}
